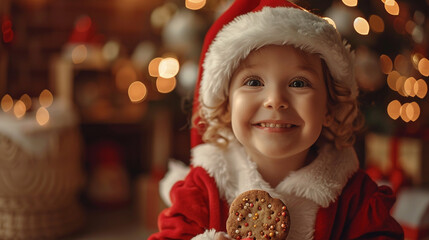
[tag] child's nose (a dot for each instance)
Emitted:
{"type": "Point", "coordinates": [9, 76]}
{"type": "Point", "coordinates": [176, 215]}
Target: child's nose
{"type": "Point", "coordinates": [276, 99]}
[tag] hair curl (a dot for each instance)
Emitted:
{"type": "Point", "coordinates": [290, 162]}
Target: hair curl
{"type": "Point", "coordinates": [344, 117]}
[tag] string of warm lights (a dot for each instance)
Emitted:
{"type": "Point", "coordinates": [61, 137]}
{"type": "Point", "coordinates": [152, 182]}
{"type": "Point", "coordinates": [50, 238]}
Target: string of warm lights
{"type": "Point", "coordinates": [406, 86]}
{"type": "Point", "coordinates": [165, 70]}
{"type": "Point", "coordinates": [20, 107]}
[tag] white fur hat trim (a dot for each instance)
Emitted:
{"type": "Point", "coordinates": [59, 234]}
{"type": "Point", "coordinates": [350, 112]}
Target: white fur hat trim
{"type": "Point", "coordinates": [278, 26]}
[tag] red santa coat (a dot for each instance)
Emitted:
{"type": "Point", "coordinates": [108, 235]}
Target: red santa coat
{"type": "Point", "coordinates": [327, 199]}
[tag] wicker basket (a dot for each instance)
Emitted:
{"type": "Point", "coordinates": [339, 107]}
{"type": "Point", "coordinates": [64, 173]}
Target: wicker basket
{"type": "Point", "coordinates": [40, 176]}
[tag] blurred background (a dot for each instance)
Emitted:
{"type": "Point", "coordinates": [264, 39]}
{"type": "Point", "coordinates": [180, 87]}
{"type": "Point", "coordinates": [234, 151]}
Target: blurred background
{"type": "Point", "coordinates": [96, 97]}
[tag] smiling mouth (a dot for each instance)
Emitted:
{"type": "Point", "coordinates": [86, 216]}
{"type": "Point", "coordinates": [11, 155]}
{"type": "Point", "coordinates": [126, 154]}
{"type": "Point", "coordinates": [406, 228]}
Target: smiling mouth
{"type": "Point", "coordinates": [275, 125]}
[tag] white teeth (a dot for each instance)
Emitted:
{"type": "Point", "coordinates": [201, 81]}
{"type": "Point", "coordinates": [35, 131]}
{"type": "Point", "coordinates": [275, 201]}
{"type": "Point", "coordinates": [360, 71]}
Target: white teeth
{"type": "Point", "coordinates": [275, 125]}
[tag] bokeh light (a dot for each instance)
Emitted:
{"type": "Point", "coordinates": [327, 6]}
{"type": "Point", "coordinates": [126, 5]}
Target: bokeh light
{"type": "Point", "coordinates": [46, 98]}
{"type": "Point", "coordinates": [418, 34]}
{"type": "Point", "coordinates": [400, 82]}
{"type": "Point", "coordinates": [421, 88]}
{"type": "Point", "coordinates": [409, 26]}
{"type": "Point", "coordinates": [386, 64]}
{"type": "Point", "coordinates": [392, 78]}
{"type": "Point", "coordinates": [79, 54]}
{"type": "Point", "coordinates": [415, 59]}
{"type": "Point", "coordinates": [42, 116]}
{"type": "Point", "coordinates": [6, 103]}
{"type": "Point", "coordinates": [350, 3]}
{"type": "Point", "coordinates": [19, 109]}
{"type": "Point", "coordinates": [27, 100]}
{"type": "Point", "coordinates": [137, 92]}
{"type": "Point", "coordinates": [168, 67]}
{"type": "Point", "coordinates": [361, 26]}
{"type": "Point", "coordinates": [376, 23]}
{"type": "Point", "coordinates": [161, 16]}
{"type": "Point", "coordinates": [392, 7]}
{"type": "Point", "coordinates": [403, 112]}
{"type": "Point", "coordinates": [409, 86]}
{"type": "Point", "coordinates": [424, 67]}
{"type": "Point", "coordinates": [153, 67]}
{"type": "Point", "coordinates": [330, 21]}
{"type": "Point", "coordinates": [111, 50]}
{"type": "Point", "coordinates": [401, 63]}
{"type": "Point", "coordinates": [393, 109]}
{"type": "Point", "coordinates": [413, 111]}
{"type": "Point", "coordinates": [195, 4]}
{"type": "Point", "coordinates": [389, 2]}
{"type": "Point", "coordinates": [165, 85]}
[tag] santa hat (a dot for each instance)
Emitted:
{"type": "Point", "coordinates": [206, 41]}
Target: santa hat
{"type": "Point", "coordinates": [251, 24]}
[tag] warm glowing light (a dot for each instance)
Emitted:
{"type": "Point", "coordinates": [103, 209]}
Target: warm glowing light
{"type": "Point", "coordinates": [409, 86]}
{"type": "Point", "coordinates": [392, 9]}
{"type": "Point", "coordinates": [424, 67]}
{"type": "Point", "coordinates": [6, 103]}
{"type": "Point", "coordinates": [386, 64]}
{"type": "Point", "coordinates": [111, 50]}
{"type": "Point", "coordinates": [165, 85]}
{"type": "Point", "coordinates": [421, 88]}
{"type": "Point", "coordinates": [415, 59]}
{"type": "Point", "coordinates": [409, 111]}
{"type": "Point", "coordinates": [137, 92]}
{"type": "Point", "coordinates": [42, 116]}
{"type": "Point", "coordinates": [195, 4]}
{"type": "Point", "coordinates": [160, 16]}
{"type": "Point", "coordinates": [418, 34]}
{"type": "Point", "coordinates": [376, 23]}
{"type": "Point", "coordinates": [400, 82]}
{"type": "Point", "coordinates": [392, 78]}
{"type": "Point", "coordinates": [124, 77]}
{"type": "Point", "coordinates": [79, 54]}
{"type": "Point", "coordinates": [401, 63]}
{"type": "Point", "coordinates": [361, 26]}
{"type": "Point", "coordinates": [414, 111]}
{"type": "Point", "coordinates": [409, 26]}
{"type": "Point", "coordinates": [350, 3]}
{"type": "Point", "coordinates": [389, 2]}
{"type": "Point", "coordinates": [27, 100]}
{"type": "Point", "coordinates": [46, 98]}
{"type": "Point", "coordinates": [393, 109]}
{"type": "Point", "coordinates": [330, 21]}
{"type": "Point", "coordinates": [153, 67]}
{"type": "Point", "coordinates": [168, 67]}
{"type": "Point", "coordinates": [19, 109]}
{"type": "Point", "coordinates": [403, 112]}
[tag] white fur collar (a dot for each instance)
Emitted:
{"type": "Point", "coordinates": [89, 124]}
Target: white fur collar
{"type": "Point", "coordinates": [321, 181]}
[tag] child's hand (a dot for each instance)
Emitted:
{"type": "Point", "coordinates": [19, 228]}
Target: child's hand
{"type": "Point", "coordinates": [222, 236]}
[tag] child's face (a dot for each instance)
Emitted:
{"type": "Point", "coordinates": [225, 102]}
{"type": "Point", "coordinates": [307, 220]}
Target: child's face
{"type": "Point", "coordinates": [278, 102]}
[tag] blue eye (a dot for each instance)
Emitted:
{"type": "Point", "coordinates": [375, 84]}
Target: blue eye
{"type": "Point", "coordinates": [299, 83]}
{"type": "Point", "coordinates": [253, 82]}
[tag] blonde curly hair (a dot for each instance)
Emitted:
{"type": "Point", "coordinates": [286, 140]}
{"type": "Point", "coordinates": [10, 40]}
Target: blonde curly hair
{"type": "Point", "coordinates": [345, 118]}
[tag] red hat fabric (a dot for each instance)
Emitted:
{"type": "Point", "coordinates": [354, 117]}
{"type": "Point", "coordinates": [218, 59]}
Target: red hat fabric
{"type": "Point", "coordinates": [251, 24]}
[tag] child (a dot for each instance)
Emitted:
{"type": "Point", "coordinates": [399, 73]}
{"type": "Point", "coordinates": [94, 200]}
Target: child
{"type": "Point", "coordinates": [277, 106]}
